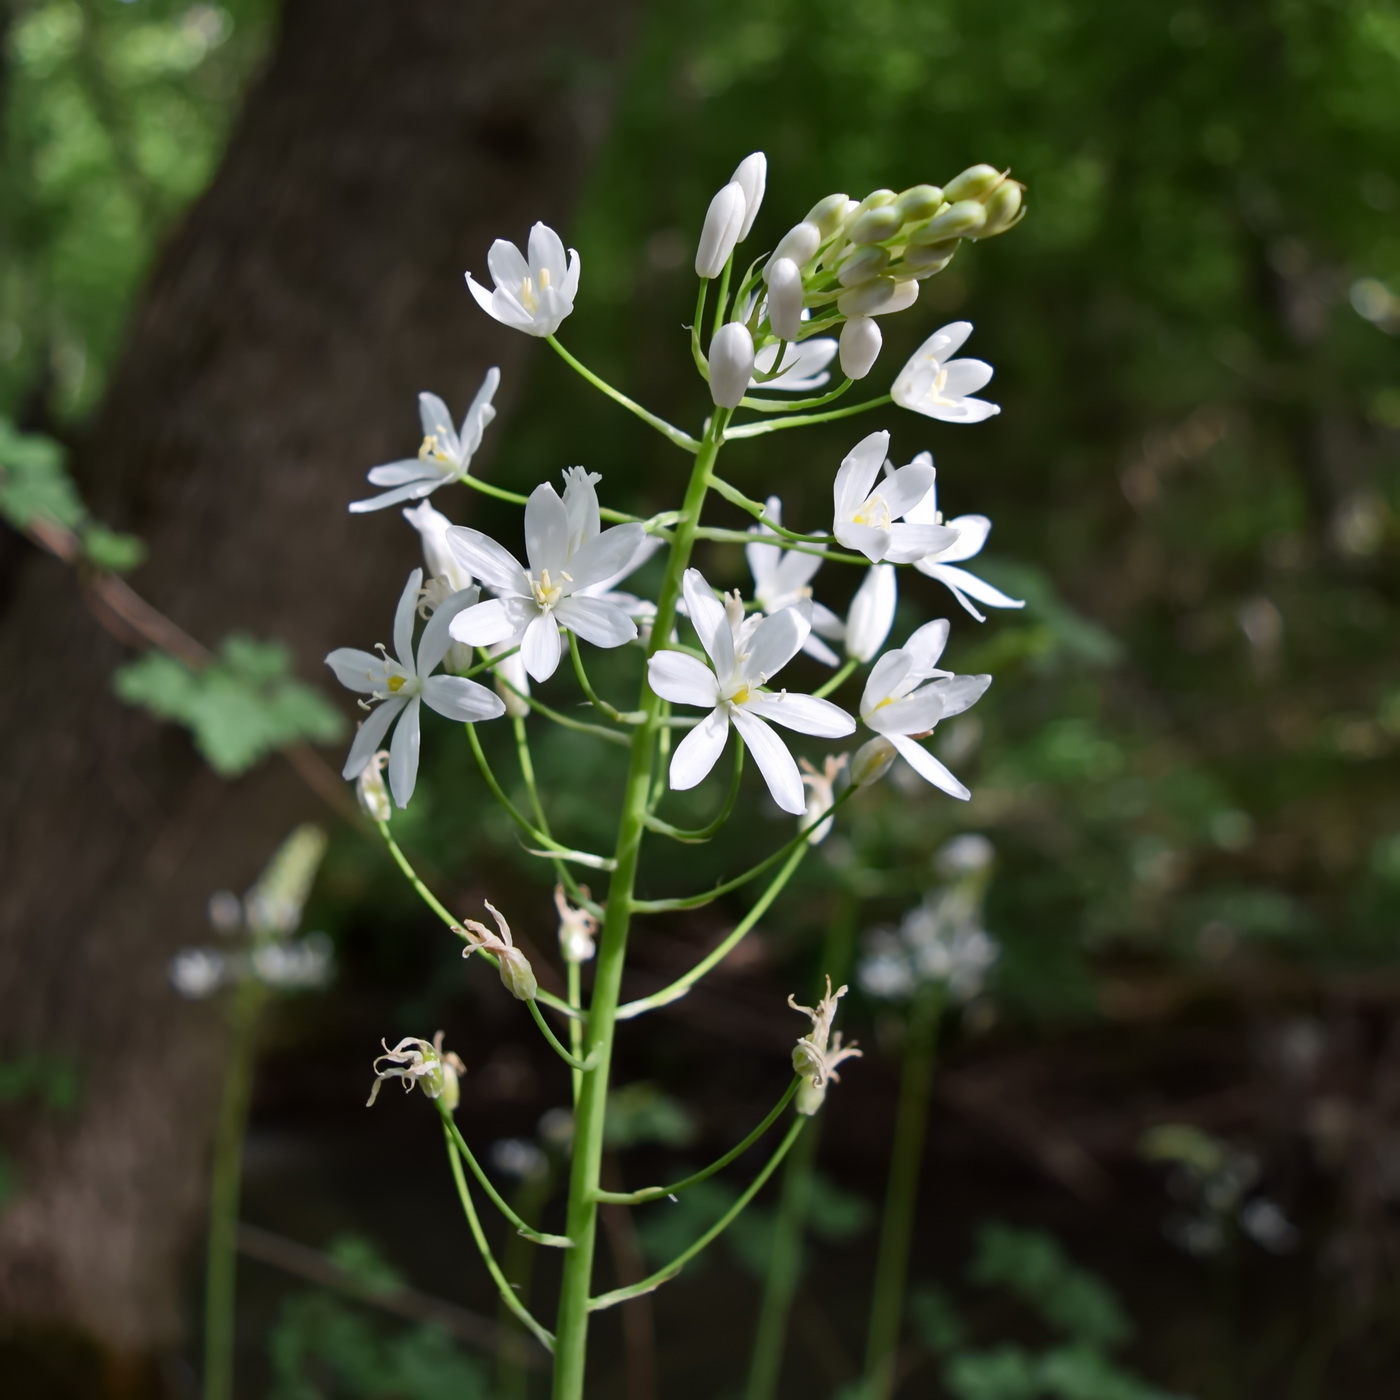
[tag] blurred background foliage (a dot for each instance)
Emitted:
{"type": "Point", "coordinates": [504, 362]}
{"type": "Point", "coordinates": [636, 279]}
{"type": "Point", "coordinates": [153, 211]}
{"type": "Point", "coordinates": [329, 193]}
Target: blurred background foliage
{"type": "Point", "coordinates": [1188, 760]}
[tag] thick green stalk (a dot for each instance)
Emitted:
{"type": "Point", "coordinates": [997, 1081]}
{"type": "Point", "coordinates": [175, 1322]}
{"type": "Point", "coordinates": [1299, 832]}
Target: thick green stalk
{"type": "Point", "coordinates": [785, 1252]}
{"type": "Point", "coordinates": [902, 1193]}
{"type": "Point", "coordinates": [572, 1326]}
{"type": "Point", "coordinates": [224, 1189]}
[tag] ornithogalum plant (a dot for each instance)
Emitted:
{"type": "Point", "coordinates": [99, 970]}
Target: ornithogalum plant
{"type": "Point", "coordinates": [772, 329]}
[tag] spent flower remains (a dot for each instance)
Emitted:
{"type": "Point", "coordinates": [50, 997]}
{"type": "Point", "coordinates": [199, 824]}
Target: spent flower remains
{"type": "Point", "coordinates": [768, 337]}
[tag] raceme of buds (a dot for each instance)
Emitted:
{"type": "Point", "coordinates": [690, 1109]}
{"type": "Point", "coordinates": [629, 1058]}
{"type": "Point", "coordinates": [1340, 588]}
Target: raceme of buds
{"type": "Point", "coordinates": [577, 928]}
{"type": "Point", "coordinates": [731, 364]}
{"type": "Point", "coordinates": [785, 299]}
{"type": "Point", "coordinates": [371, 790]}
{"type": "Point", "coordinates": [719, 235]}
{"type": "Point", "coordinates": [517, 976]}
{"type": "Point", "coordinates": [418, 1062]}
{"type": "Point", "coordinates": [1004, 209]}
{"type": "Point", "coordinates": [813, 1058]}
{"type": "Point", "coordinates": [860, 346]}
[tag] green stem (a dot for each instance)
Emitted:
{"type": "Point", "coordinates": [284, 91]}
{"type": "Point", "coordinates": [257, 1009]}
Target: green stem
{"type": "Point", "coordinates": [653, 1281]}
{"type": "Point", "coordinates": [901, 1194]}
{"type": "Point", "coordinates": [785, 1250]}
{"type": "Point", "coordinates": [573, 1062]}
{"type": "Point", "coordinates": [697, 354]}
{"type": "Point", "coordinates": [224, 1188]}
{"type": "Point", "coordinates": [518, 1263]}
{"type": "Point", "coordinates": [721, 305]}
{"type": "Point", "coordinates": [837, 680]}
{"type": "Point", "coordinates": [499, 1201]}
{"type": "Point", "coordinates": [682, 440]}
{"type": "Point", "coordinates": [698, 834]}
{"type": "Point", "coordinates": [656, 1193]}
{"type": "Point", "coordinates": [805, 420]}
{"type": "Point", "coordinates": [619, 517]}
{"type": "Point", "coordinates": [586, 1164]}
{"type": "Point", "coordinates": [794, 405]}
{"type": "Point", "coordinates": [575, 992]}
{"type": "Point", "coordinates": [613, 736]}
{"type": "Point", "coordinates": [507, 1293]}
{"type": "Point", "coordinates": [793, 546]}
{"type": "Point", "coordinates": [612, 712]}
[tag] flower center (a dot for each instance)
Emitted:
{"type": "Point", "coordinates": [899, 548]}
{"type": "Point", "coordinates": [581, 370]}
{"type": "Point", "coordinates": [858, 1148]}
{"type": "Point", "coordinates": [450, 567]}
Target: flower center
{"type": "Point", "coordinates": [547, 592]}
{"type": "Point", "coordinates": [396, 684]}
{"type": "Point", "coordinates": [935, 389]}
{"type": "Point", "coordinates": [529, 294]}
{"type": "Point", "coordinates": [874, 512]}
{"type": "Point", "coordinates": [432, 450]}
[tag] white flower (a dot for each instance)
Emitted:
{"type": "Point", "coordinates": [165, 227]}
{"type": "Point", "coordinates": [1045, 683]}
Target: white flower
{"type": "Point", "coordinates": [940, 387]}
{"type": "Point", "coordinates": [972, 535]}
{"type": "Point", "coordinates": [197, 973]}
{"type": "Point", "coordinates": [743, 664]}
{"type": "Point", "coordinates": [751, 175]}
{"type": "Point", "coordinates": [533, 296]}
{"type": "Point", "coordinates": [804, 365]}
{"type": "Point", "coordinates": [781, 579]}
{"type": "Point", "coordinates": [517, 976]}
{"type": "Point", "coordinates": [731, 363]}
{"type": "Point", "coordinates": [719, 235]}
{"type": "Point", "coordinates": [567, 554]}
{"type": "Point", "coordinates": [860, 346]}
{"type": "Point", "coordinates": [821, 784]}
{"type": "Point", "coordinates": [867, 520]}
{"type": "Point", "coordinates": [871, 613]}
{"type": "Point", "coordinates": [577, 928]}
{"type": "Point", "coordinates": [445, 454]}
{"type": "Point", "coordinates": [296, 966]}
{"type": "Point", "coordinates": [813, 1058]}
{"type": "Point", "coordinates": [400, 684]}
{"type": "Point", "coordinates": [899, 707]}
{"type": "Point", "coordinates": [444, 567]}
{"type": "Point", "coordinates": [418, 1062]}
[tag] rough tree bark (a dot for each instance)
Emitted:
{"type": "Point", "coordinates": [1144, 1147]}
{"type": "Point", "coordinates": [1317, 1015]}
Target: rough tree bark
{"type": "Point", "coordinates": [276, 354]}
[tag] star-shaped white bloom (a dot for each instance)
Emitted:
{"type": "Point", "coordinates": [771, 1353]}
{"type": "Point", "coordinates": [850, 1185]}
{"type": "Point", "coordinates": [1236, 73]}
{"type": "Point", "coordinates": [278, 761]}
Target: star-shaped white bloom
{"type": "Point", "coordinates": [745, 657]}
{"type": "Point", "coordinates": [782, 579]}
{"type": "Point", "coordinates": [399, 684]}
{"type": "Point", "coordinates": [867, 517]}
{"type": "Point", "coordinates": [567, 555]}
{"type": "Point", "coordinates": [906, 696]}
{"type": "Point", "coordinates": [934, 384]}
{"type": "Point", "coordinates": [445, 455]}
{"type": "Point", "coordinates": [533, 296]}
{"type": "Point", "coordinates": [972, 535]}
{"type": "Point", "coordinates": [804, 365]}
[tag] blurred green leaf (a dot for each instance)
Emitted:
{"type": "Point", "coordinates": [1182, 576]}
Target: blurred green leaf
{"type": "Point", "coordinates": [34, 480]}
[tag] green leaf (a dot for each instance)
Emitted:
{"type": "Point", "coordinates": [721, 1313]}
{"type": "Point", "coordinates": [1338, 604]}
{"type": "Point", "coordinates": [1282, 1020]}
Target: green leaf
{"type": "Point", "coordinates": [112, 551]}
{"type": "Point", "coordinates": [34, 481]}
{"type": "Point", "coordinates": [640, 1112]}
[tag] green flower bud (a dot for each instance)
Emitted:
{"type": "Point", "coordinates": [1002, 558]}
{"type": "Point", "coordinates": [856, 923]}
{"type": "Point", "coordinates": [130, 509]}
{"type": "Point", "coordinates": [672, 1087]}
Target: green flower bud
{"type": "Point", "coordinates": [875, 225]}
{"type": "Point", "coordinates": [958, 220]}
{"type": "Point", "coordinates": [919, 202]}
{"type": "Point", "coordinates": [829, 214]}
{"type": "Point", "coordinates": [861, 265]}
{"type": "Point", "coordinates": [976, 182]}
{"type": "Point", "coordinates": [882, 296]}
{"type": "Point", "coordinates": [872, 761]}
{"type": "Point", "coordinates": [1004, 209]}
{"type": "Point", "coordinates": [876, 199]}
{"type": "Point", "coordinates": [924, 261]}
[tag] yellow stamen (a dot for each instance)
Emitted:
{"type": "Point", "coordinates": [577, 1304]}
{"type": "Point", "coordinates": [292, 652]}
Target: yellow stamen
{"type": "Point", "coordinates": [397, 683]}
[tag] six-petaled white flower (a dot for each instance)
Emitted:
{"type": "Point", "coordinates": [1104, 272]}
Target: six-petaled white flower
{"type": "Point", "coordinates": [745, 658]}
{"type": "Point", "coordinates": [782, 579]}
{"type": "Point", "coordinates": [533, 296]}
{"type": "Point", "coordinates": [401, 685]}
{"type": "Point", "coordinates": [867, 516]}
{"type": "Point", "coordinates": [567, 554]}
{"type": "Point", "coordinates": [972, 535]}
{"type": "Point", "coordinates": [934, 384]}
{"type": "Point", "coordinates": [906, 696]}
{"type": "Point", "coordinates": [445, 454]}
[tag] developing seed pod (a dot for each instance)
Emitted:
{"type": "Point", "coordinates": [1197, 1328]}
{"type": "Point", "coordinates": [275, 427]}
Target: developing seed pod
{"type": "Point", "coordinates": [976, 182]}
{"type": "Point", "coordinates": [861, 265]}
{"type": "Point", "coordinates": [830, 213]}
{"type": "Point", "coordinates": [958, 220]}
{"type": "Point", "coordinates": [925, 261]}
{"type": "Point", "coordinates": [920, 202]}
{"type": "Point", "coordinates": [875, 225]}
{"type": "Point", "coordinates": [1003, 208]}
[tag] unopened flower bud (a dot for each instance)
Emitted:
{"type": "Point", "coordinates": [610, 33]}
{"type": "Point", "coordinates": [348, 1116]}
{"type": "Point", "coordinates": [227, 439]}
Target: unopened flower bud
{"type": "Point", "coordinates": [876, 199]}
{"type": "Point", "coordinates": [751, 175]}
{"type": "Point", "coordinates": [976, 182]}
{"type": "Point", "coordinates": [371, 791]}
{"type": "Point", "coordinates": [724, 221]}
{"type": "Point", "coordinates": [956, 221]}
{"type": "Point", "coordinates": [919, 202]}
{"type": "Point", "coordinates": [875, 225]}
{"type": "Point", "coordinates": [924, 261]}
{"type": "Point", "coordinates": [577, 928]}
{"type": "Point", "coordinates": [860, 346]}
{"type": "Point", "coordinates": [1003, 208]}
{"type": "Point", "coordinates": [880, 297]}
{"type": "Point", "coordinates": [861, 265]}
{"type": "Point", "coordinates": [785, 299]}
{"type": "Point", "coordinates": [800, 243]}
{"type": "Point", "coordinates": [872, 761]}
{"type": "Point", "coordinates": [731, 363]}
{"type": "Point", "coordinates": [829, 214]}
{"type": "Point", "coordinates": [512, 681]}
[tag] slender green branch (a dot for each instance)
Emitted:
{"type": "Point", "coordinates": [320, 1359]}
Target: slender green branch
{"type": "Point", "coordinates": [653, 1281]}
{"type": "Point", "coordinates": [697, 835]}
{"type": "Point", "coordinates": [575, 995]}
{"type": "Point", "coordinates": [805, 420]}
{"type": "Point", "coordinates": [697, 354]}
{"type": "Point", "coordinates": [573, 1062]}
{"type": "Point", "coordinates": [489, 663]}
{"type": "Point", "coordinates": [723, 536]}
{"type": "Point", "coordinates": [546, 1338]}
{"type": "Point", "coordinates": [613, 736]}
{"type": "Point", "coordinates": [527, 775]}
{"type": "Point", "coordinates": [612, 712]}
{"type": "Point", "coordinates": [836, 681]}
{"type": "Point", "coordinates": [656, 1193]}
{"type": "Point", "coordinates": [497, 1200]}
{"type": "Point", "coordinates": [794, 405]}
{"type": "Point", "coordinates": [682, 440]}
{"type": "Point", "coordinates": [617, 517]}
{"type": "Point", "coordinates": [722, 304]}
{"type": "Point", "coordinates": [717, 955]}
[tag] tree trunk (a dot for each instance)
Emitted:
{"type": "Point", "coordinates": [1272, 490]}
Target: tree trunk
{"type": "Point", "coordinates": [276, 355]}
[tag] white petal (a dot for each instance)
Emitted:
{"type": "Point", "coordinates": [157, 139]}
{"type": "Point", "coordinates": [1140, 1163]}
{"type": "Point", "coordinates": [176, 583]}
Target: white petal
{"type": "Point", "coordinates": [866, 539]}
{"type": "Point", "coordinates": [358, 670]}
{"type": "Point", "coordinates": [399, 473]}
{"type": "Point", "coordinates": [945, 342]}
{"type": "Point", "coordinates": [403, 755]}
{"type": "Point", "coordinates": [605, 556]}
{"type": "Point", "coordinates": [682, 679]}
{"type": "Point", "coordinates": [751, 175]}
{"type": "Point", "coordinates": [972, 535]}
{"type": "Point", "coordinates": [885, 678]}
{"type": "Point", "coordinates": [910, 543]}
{"type": "Point", "coordinates": [706, 614]}
{"type": "Point", "coordinates": [819, 651]}
{"type": "Point", "coordinates": [508, 266]}
{"type": "Point", "coordinates": [872, 612]}
{"type": "Point", "coordinates": [581, 506]}
{"type": "Point", "coordinates": [804, 713]}
{"type": "Point", "coordinates": [914, 714]}
{"type": "Point", "coordinates": [415, 490]}
{"type": "Point", "coordinates": [485, 624]}
{"type": "Point", "coordinates": [369, 735]}
{"type": "Point", "coordinates": [403, 621]}
{"type": "Point", "coordinates": [484, 298]}
{"type": "Point", "coordinates": [777, 765]}
{"type": "Point", "coordinates": [596, 621]}
{"type": "Point", "coordinates": [928, 767]}
{"type": "Point", "coordinates": [456, 697]}
{"type": "Point", "coordinates": [699, 751]}
{"type": "Point", "coordinates": [482, 557]}
{"type": "Point", "coordinates": [547, 253]}
{"type": "Point", "coordinates": [480, 413]}
{"type": "Point", "coordinates": [960, 581]}
{"type": "Point", "coordinates": [959, 693]}
{"type": "Point", "coordinates": [926, 645]}
{"type": "Point", "coordinates": [774, 643]}
{"type": "Point", "coordinates": [906, 487]}
{"type": "Point", "coordinates": [437, 422]}
{"type": "Point", "coordinates": [966, 377]}
{"type": "Point", "coordinates": [857, 473]}
{"type": "Point", "coordinates": [546, 532]}
{"type": "Point", "coordinates": [437, 637]}
{"type": "Point", "coordinates": [541, 646]}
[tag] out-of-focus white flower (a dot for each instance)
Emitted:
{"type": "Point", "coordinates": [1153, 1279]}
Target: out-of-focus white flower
{"type": "Point", "coordinates": [274, 905]}
{"type": "Point", "coordinates": [782, 579]}
{"type": "Point", "coordinates": [813, 1057]}
{"type": "Point", "coordinates": [567, 555]}
{"type": "Point", "coordinates": [884, 970]}
{"type": "Point", "coordinates": [444, 568]}
{"type": "Point", "coordinates": [720, 233]}
{"type": "Point", "coordinates": [785, 298]}
{"type": "Point", "coordinates": [399, 684]}
{"type": "Point", "coordinates": [533, 296]}
{"type": "Point", "coordinates": [900, 707]}
{"type": "Point", "coordinates": [577, 928]}
{"type": "Point", "coordinates": [804, 365]}
{"type": "Point", "coordinates": [860, 346]}
{"type": "Point", "coordinates": [968, 854]}
{"type": "Point", "coordinates": [821, 784]}
{"type": "Point", "coordinates": [520, 1158]}
{"type": "Point", "coordinates": [419, 1062]}
{"type": "Point", "coordinates": [731, 363]}
{"type": "Point", "coordinates": [297, 966]}
{"type": "Point", "coordinates": [445, 455]}
{"type": "Point", "coordinates": [871, 614]}
{"type": "Point", "coordinates": [197, 973]}
{"type": "Point", "coordinates": [733, 692]}
{"type": "Point", "coordinates": [867, 519]}
{"type": "Point", "coordinates": [938, 386]}
{"type": "Point", "coordinates": [972, 535]}
{"type": "Point", "coordinates": [517, 976]}
{"type": "Point", "coordinates": [751, 175]}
